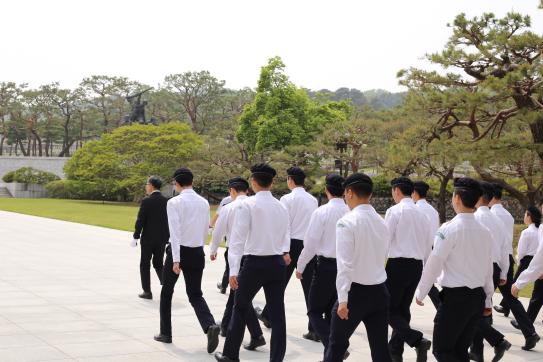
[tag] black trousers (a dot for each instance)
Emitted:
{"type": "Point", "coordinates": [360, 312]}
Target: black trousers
{"type": "Point", "coordinates": [368, 304]}
{"type": "Point", "coordinates": [226, 274]}
{"type": "Point", "coordinates": [322, 297]}
{"type": "Point", "coordinates": [403, 275]}
{"type": "Point", "coordinates": [456, 321]}
{"type": "Point", "coordinates": [154, 251]}
{"type": "Point", "coordinates": [525, 324]}
{"type": "Point", "coordinates": [485, 330]}
{"type": "Point", "coordinates": [253, 326]}
{"type": "Point", "coordinates": [192, 262]}
{"type": "Point", "coordinates": [536, 301]}
{"type": "Point", "coordinates": [296, 247]}
{"type": "Point", "coordinates": [434, 296]}
{"type": "Point", "coordinates": [258, 272]}
{"type": "Point", "coordinates": [510, 280]}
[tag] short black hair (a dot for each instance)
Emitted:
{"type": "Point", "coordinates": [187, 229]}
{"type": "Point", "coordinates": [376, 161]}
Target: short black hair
{"type": "Point", "coordinates": [239, 184]}
{"type": "Point", "coordinates": [359, 183]}
{"type": "Point", "coordinates": [488, 191]}
{"type": "Point", "coordinates": [421, 188]}
{"type": "Point", "coordinates": [155, 181]}
{"type": "Point", "coordinates": [297, 175]}
{"type": "Point", "coordinates": [263, 174]}
{"type": "Point", "coordinates": [535, 215]}
{"type": "Point", "coordinates": [498, 191]}
{"type": "Point", "coordinates": [334, 185]}
{"type": "Point", "coordinates": [469, 191]}
{"type": "Point", "coordinates": [183, 176]}
{"type": "Point", "coordinates": [404, 184]}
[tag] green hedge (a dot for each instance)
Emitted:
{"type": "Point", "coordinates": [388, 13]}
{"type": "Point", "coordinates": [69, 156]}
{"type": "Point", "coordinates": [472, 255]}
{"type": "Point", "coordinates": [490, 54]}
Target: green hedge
{"type": "Point", "coordinates": [29, 175]}
{"type": "Point", "coordinates": [84, 190]}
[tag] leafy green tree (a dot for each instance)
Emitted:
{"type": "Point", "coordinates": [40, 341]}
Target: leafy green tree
{"type": "Point", "coordinates": [197, 92]}
{"type": "Point", "coordinates": [282, 114]}
{"type": "Point", "coordinates": [126, 156]}
{"type": "Point", "coordinates": [495, 78]}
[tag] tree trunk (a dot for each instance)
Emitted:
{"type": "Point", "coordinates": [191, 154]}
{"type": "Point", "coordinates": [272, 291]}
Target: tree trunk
{"type": "Point", "coordinates": [66, 150]}
{"type": "Point", "coordinates": [443, 198]}
{"type": "Point", "coordinates": [514, 192]}
{"type": "Point", "coordinates": [2, 145]}
{"type": "Point", "coordinates": [537, 134]}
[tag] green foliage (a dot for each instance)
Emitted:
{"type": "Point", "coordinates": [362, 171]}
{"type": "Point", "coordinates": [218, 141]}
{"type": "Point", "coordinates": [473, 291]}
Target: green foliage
{"type": "Point", "coordinates": [124, 158]}
{"type": "Point", "coordinates": [29, 175]}
{"type": "Point", "coordinates": [84, 190]}
{"type": "Point", "coordinates": [282, 114]}
{"type": "Point", "coordinates": [9, 177]}
{"type": "Point", "coordinates": [381, 186]}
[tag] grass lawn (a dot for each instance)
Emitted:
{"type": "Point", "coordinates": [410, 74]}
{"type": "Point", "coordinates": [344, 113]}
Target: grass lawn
{"type": "Point", "coordinates": [113, 215]}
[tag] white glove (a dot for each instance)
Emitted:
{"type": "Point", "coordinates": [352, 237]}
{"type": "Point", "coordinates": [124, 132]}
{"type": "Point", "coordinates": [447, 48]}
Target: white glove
{"type": "Point", "coordinates": [134, 243]}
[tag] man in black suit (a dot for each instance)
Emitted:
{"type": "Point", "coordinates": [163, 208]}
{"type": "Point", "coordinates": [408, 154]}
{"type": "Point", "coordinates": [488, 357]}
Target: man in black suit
{"type": "Point", "coordinates": [153, 219]}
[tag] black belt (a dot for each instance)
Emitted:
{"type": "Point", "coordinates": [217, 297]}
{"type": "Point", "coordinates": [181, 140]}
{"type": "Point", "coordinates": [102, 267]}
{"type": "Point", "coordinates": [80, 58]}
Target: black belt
{"type": "Point", "coordinates": [323, 259]}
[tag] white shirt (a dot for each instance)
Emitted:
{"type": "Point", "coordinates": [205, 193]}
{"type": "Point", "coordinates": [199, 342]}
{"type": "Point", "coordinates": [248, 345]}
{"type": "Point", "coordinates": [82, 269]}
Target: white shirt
{"type": "Point", "coordinates": [224, 224]}
{"type": "Point", "coordinates": [225, 201]}
{"type": "Point", "coordinates": [300, 205]}
{"type": "Point", "coordinates": [528, 242]}
{"type": "Point", "coordinates": [261, 227]}
{"type": "Point", "coordinates": [462, 254]}
{"type": "Point", "coordinates": [500, 254]}
{"type": "Point", "coordinates": [362, 244]}
{"type": "Point", "coordinates": [535, 269]}
{"type": "Point", "coordinates": [188, 221]}
{"type": "Point", "coordinates": [320, 238]}
{"type": "Point", "coordinates": [508, 223]}
{"type": "Point", "coordinates": [430, 213]}
{"type": "Point", "coordinates": [410, 232]}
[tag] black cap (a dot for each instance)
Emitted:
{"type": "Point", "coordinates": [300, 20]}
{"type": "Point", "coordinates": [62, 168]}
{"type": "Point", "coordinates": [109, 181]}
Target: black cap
{"type": "Point", "coordinates": [358, 179]}
{"type": "Point", "coordinates": [466, 183]}
{"type": "Point", "coordinates": [238, 181]}
{"type": "Point", "coordinates": [183, 176]}
{"type": "Point", "coordinates": [421, 187]}
{"type": "Point", "coordinates": [263, 169]}
{"type": "Point", "coordinates": [296, 171]}
{"type": "Point", "coordinates": [402, 180]}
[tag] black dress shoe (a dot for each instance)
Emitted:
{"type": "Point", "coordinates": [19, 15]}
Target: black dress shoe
{"type": "Point", "coordinates": [261, 318]}
{"type": "Point", "coordinates": [163, 338]}
{"type": "Point", "coordinates": [221, 289]}
{"type": "Point", "coordinates": [514, 323]}
{"type": "Point", "coordinates": [476, 356]}
{"type": "Point", "coordinates": [531, 342]}
{"type": "Point", "coordinates": [422, 350]}
{"type": "Point", "coordinates": [255, 343]}
{"type": "Point", "coordinates": [222, 358]}
{"type": "Point", "coordinates": [502, 310]}
{"type": "Point", "coordinates": [312, 336]}
{"type": "Point", "coordinates": [396, 357]}
{"type": "Point", "coordinates": [213, 338]}
{"type": "Point", "coordinates": [500, 350]}
{"type": "Point", "coordinates": [346, 355]}
{"type": "Point", "coordinates": [146, 295]}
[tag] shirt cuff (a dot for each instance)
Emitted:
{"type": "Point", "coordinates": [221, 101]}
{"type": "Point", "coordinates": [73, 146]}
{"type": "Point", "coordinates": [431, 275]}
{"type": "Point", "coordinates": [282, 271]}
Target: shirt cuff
{"type": "Point", "coordinates": [342, 296]}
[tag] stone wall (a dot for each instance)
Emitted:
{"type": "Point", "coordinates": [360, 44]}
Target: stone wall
{"type": "Point", "coordinates": [49, 164]}
{"type": "Point", "coordinates": [26, 191]}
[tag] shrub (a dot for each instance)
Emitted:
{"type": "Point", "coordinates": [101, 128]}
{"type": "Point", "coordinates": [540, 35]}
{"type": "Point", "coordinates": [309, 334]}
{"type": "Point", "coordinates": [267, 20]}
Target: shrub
{"type": "Point", "coordinates": [83, 190]}
{"type": "Point", "coordinates": [8, 177]}
{"type": "Point", "coordinates": [29, 175]}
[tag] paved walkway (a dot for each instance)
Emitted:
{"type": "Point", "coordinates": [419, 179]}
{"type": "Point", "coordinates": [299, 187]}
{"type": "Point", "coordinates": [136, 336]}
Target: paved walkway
{"type": "Point", "coordinates": [68, 292]}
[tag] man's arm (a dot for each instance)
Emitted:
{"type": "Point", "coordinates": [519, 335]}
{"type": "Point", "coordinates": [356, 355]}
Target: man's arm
{"type": "Point", "coordinates": [313, 236]}
{"type": "Point", "coordinates": [219, 232]}
{"type": "Point", "coordinates": [345, 258]}
{"type": "Point", "coordinates": [534, 271]}
{"type": "Point", "coordinates": [391, 221]}
{"type": "Point", "coordinates": [174, 218]}
{"type": "Point", "coordinates": [504, 256]}
{"type": "Point", "coordinates": [238, 237]}
{"type": "Point", "coordinates": [140, 221]}
{"type": "Point", "coordinates": [522, 246]}
{"type": "Point", "coordinates": [434, 265]}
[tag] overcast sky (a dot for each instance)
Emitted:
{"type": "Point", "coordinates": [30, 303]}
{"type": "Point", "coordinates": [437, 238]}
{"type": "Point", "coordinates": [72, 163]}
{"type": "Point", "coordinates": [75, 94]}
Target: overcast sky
{"type": "Point", "coordinates": [325, 44]}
